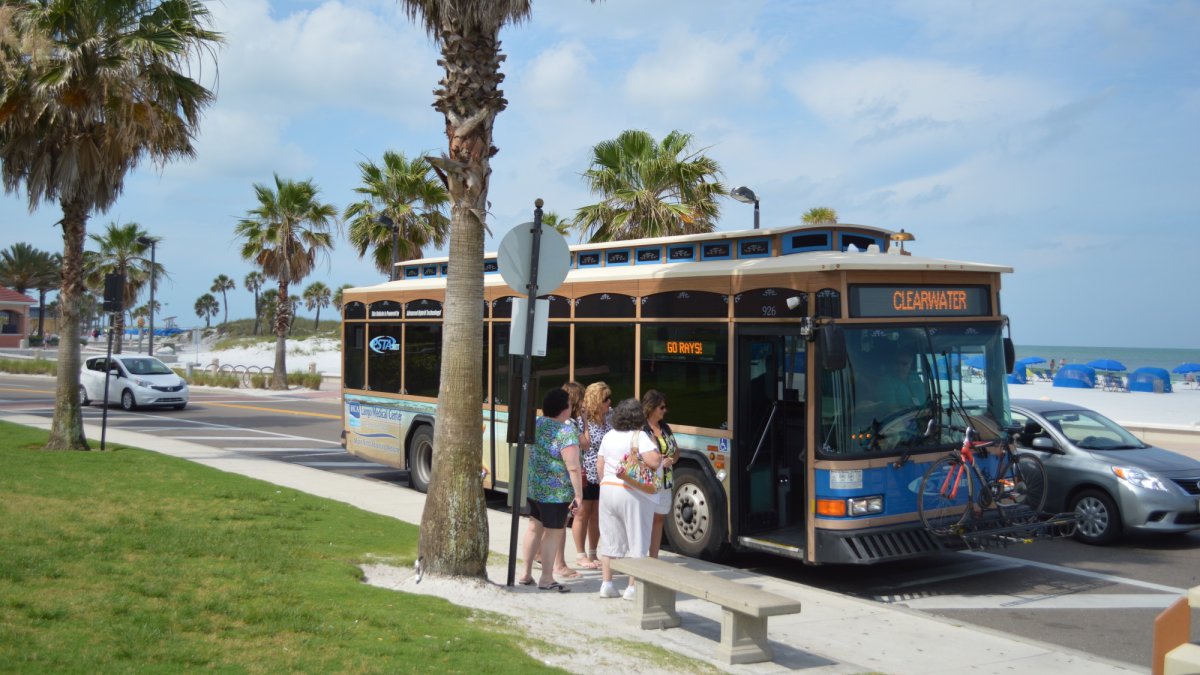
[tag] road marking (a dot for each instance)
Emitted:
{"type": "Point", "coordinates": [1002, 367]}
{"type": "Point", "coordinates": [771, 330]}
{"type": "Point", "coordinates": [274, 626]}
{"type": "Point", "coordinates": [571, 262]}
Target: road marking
{"type": "Point", "coordinates": [1069, 601]}
{"type": "Point", "coordinates": [234, 438]}
{"type": "Point", "coordinates": [347, 465]}
{"type": "Point", "coordinates": [275, 410]}
{"type": "Point", "coordinates": [309, 451]}
{"type": "Point", "coordinates": [1084, 573]}
{"type": "Point", "coordinates": [26, 390]}
{"type": "Point", "coordinates": [959, 573]}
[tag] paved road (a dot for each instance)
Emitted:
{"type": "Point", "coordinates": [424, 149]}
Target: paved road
{"type": "Point", "coordinates": [1099, 600]}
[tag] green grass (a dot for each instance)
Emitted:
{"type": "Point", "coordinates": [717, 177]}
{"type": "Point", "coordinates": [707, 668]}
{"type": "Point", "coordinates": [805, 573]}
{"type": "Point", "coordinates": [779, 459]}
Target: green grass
{"type": "Point", "coordinates": [129, 560]}
{"type": "Point", "coordinates": [38, 366]}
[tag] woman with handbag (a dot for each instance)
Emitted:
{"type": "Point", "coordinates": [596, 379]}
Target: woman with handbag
{"type": "Point", "coordinates": [596, 415]}
{"type": "Point", "coordinates": [654, 404]}
{"type": "Point", "coordinates": [628, 465]}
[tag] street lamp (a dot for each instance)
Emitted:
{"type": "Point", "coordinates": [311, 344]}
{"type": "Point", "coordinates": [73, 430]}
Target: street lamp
{"type": "Point", "coordinates": [902, 237]}
{"type": "Point", "coordinates": [746, 196]}
{"type": "Point", "coordinates": [382, 219]}
{"type": "Point", "coordinates": [151, 242]}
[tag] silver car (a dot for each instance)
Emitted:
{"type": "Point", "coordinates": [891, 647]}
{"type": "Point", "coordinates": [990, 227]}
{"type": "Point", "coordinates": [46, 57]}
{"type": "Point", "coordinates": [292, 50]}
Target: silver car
{"type": "Point", "coordinates": [134, 381]}
{"type": "Point", "coordinates": [1112, 481]}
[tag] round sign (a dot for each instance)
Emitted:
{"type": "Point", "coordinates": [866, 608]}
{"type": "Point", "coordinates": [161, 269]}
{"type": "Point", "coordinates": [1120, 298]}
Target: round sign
{"type": "Point", "coordinates": [515, 259]}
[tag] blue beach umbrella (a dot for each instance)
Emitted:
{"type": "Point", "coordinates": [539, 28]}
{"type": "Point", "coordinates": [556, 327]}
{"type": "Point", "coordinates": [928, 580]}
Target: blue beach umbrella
{"type": "Point", "coordinates": [978, 361]}
{"type": "Point", "coordinates": [1185, 368]}
{"type": "Point", "coordinates": [1030, 360]}
{"type": "Point", "coordinates": [1106, 364]}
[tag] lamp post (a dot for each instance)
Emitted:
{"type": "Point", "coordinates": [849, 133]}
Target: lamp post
{"type": "Point", "coordinates": [746, 196]}
{"type": "Point", "coordinates": [152, 242]}
{"type": "Point", "coordinates": [382, 219]}
{"type": "Point", "coordinates": [902, 237]}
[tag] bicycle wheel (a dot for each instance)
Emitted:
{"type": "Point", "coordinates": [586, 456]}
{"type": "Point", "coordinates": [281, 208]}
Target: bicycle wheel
{"type": "Point", "coordinates": [1021, 491]}
{"type": "Point", "coordinates": [946, 497]}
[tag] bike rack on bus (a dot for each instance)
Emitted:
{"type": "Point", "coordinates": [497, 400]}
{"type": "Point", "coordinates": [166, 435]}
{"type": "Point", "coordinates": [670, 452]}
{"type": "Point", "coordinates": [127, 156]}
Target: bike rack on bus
{"type": "Point", "coordinates": [997, 532]}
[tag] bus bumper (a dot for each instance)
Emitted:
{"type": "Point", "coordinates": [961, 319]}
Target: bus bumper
{"type": "Point", "coordinates": [875, 545]}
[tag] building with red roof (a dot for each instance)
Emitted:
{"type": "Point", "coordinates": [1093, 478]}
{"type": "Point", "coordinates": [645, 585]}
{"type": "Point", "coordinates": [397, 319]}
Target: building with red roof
{"type": "Point", "coordinates": [14, 317]}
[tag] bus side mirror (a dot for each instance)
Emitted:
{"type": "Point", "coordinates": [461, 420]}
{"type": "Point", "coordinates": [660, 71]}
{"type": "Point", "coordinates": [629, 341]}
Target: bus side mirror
{"type": "Point", "coordinates": [831, 341]}
{"type": "Point", "coordinates": [1010, 355]}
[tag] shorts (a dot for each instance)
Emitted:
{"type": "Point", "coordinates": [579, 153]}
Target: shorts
{"type": "Point", "coordinates": [552, 515]}
{"type": "Point", "coordinates": [591, 491]}
{"type": "Point", "coordinates": [666, 500]}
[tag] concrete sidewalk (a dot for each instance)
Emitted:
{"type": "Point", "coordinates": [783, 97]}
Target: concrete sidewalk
{"type": "Point", "coordinates": [833, 633]}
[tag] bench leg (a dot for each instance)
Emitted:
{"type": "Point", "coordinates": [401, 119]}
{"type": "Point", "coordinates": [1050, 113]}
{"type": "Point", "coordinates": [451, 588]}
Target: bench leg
{"type": "Point", "coordinates": [656, 605]}
{"type": "Point", "coordinates": [743, 638]}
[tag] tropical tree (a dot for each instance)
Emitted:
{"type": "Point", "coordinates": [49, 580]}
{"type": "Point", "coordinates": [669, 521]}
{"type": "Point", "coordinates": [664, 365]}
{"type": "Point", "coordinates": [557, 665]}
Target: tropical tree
{"type": "Point", "coordinates": [409, 194]}
{"type": "Point", "coordinates": [47, 282]}
{"type": "Point", "coordinates": [650, 188]}
{"type": "Point", "coordinates": [254, 283]}
{"type": "Point", "coordinates": [337, 296]}
{"type": "Point", "coordinates": [23, 267]}
{"type": "Point", "coordinates": [453, 539]}
{"type": "Point", "coordinates": [317, 295]}
{"type": "Point", "coordinates": [87, 91]}
{"type": "Point", "coordinates": [560, 224]}
{"type": "Point", "coordinates": [220, 285]}
{"type": "Point", "coordinates": [284, 235]}
{"type": "Point", "coordinates": [268, 301]}
{"type": "Point", "coordinates": [820, 214]}
{"type": "Point", "coordinates": [122, 252]}
{"type": "Point", "coordinates": [207, 306]}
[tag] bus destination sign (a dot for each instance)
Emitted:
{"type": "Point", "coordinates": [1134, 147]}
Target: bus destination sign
{"type": "Point", "coordinates": [683, 350]}
{"type": "Point", "coordinates": [899, 301]}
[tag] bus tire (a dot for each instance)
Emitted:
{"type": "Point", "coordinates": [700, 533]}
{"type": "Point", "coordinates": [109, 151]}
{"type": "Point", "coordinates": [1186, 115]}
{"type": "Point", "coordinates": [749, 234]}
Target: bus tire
{"type": "Point", "coordinates": [420, 458]}
{"type": "Point", "coordinates": [696, 524]}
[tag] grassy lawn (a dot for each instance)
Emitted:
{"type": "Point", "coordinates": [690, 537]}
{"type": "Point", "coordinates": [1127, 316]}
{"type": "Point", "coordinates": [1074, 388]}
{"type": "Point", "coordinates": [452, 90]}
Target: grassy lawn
{"type": "Point", "coordinates": [130, 560]}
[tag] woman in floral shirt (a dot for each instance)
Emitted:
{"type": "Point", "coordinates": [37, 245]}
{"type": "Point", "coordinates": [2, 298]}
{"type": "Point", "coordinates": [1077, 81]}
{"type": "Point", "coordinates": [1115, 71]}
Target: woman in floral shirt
{"type": "Point", "coordinates": [555, 478]}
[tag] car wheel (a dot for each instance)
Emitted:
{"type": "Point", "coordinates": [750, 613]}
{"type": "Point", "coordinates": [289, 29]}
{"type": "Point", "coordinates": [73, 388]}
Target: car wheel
{"type": "Point", "coordinates": [128, 402]}
{"type": "Point", "coordinates": [1097, 519]}
{"type": "Point", "coordinates": [696, 524]}
{"type": "Point", "coordinates": [420, 459]}
{"type": "Point", "coordinates": [83, 396]}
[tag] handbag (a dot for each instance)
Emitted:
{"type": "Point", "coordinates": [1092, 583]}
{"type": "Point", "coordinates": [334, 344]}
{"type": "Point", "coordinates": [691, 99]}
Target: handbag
{"type": "Point", "coordinates": [634, 471]}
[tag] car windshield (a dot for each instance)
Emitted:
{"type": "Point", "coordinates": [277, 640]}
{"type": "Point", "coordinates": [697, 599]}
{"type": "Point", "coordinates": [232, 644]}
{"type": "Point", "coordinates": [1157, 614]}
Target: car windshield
{"type": "Point", "coordinates": [1090, 430]}
{"type": "Point", "coordinates": [146, 367]}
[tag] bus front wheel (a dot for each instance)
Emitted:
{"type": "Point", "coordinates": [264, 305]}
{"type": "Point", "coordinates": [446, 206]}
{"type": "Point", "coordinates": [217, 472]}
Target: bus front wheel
{"type": "Point", "coordinates": [420, 459]}
{"type": "Point", "coordinates": [696, 524]}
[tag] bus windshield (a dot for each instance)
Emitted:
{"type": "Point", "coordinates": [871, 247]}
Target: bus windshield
{"type": "Point", "coordinates": [911, 388]}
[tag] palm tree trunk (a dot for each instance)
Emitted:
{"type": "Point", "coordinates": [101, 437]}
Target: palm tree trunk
{"type": "Point", "coordinates": [454, 528]}
{"type": "Point", "coordinates": [42, 316]}
{"type": "Point", "coordinates": [282, 324]}
{"type": "Point", "coordinates": [66, 427]}
{"type": "Point", "coordinates": [225, 304]}
{"type": "Point", "coordinates": [119, 329]}
{"type": "Point", "coordinates": [257, 311]}
{"type": "Point", "coordinates": [317, 323]}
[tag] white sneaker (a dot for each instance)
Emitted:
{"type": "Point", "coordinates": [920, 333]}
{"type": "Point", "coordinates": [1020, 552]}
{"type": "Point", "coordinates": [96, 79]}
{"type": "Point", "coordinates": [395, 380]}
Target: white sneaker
{"type": "Point", "coordinates": [608, 591]}
{"type": "Point", "coordinates": [630, 592]}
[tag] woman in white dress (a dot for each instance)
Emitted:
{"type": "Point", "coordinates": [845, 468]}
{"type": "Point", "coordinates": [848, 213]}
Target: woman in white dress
{"type": "Point", "coordinates": [626, 513]}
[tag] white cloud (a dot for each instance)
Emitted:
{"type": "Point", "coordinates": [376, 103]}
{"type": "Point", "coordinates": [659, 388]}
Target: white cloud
{"type": "Point", "coordinates": [558, 78]}
{"type": "Point", "coordinates": [692, 69]}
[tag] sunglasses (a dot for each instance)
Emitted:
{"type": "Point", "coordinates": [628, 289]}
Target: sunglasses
{"type": "Point", "coordinates": [662, 407]}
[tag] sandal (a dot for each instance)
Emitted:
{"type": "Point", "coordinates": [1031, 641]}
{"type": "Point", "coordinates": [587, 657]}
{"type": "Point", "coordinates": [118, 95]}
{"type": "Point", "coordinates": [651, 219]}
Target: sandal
{"type": "Point", "coordinates": [555, 586]}
{"type": "Point", "coordinates": [568, 574]}
{"type": "Point", "coordinates": [526, 582]}
{"type": "Point", "coordinates": [586, 563]}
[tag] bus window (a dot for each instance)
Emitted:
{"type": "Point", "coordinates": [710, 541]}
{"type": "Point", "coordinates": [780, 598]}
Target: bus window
{"type": "Point", "coordinates": [550, 371]}
{"type": "Point", "coordinates": [686, 304]}
{"type": "Point", "coordinates": [605, 353]}
{"type": "Point", "coordinates": [422, 359]}
{"type": "Point", "coordinates": [690, 366]}
{"type": "Point", "coordinates": [383, 357]}
{"type": "Point", "coordinates": [354, 356]}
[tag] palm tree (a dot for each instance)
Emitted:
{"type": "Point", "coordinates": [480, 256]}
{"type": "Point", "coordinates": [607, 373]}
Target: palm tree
{"type": "Point", "coordinates": [87, 91]}
{"type": "Point", "coordinates": [559, 223]}
{"type": "Point", "coordinates": [50, 279]}
{"type": "Point", "coordinates": [337, 296]}
{"type": "Point", "coordinates": [284, 235]}
{"type": "Point", "coordinates": [23, 267]}
{"type": "Point", "coordinates": [268, 301]}
{"type": "Point", "coordinates": [317, 295]}
{"type": "Point", "coordinates": [254, 283]}
{"type": "Point", "coordinates": [407, 193]}
{"type": "Point", "coordinates": [819, 215]}
{"type": "Point", "coordinates": [207, 307]}
{"type": "Point", "coordinates": [121, 252]}
{"type": "Point", "coordinates": [454, 523]}
{"type": "Point", "coordinates": [220, 285]}
{"type": "Point", "coordinates": [650, 189]}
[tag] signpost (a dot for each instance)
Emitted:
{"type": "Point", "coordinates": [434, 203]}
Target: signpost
{"type": "Point", "coordinates": [549, 256]}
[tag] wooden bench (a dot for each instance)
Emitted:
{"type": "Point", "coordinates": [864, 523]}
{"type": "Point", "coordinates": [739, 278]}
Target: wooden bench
{"type": "Point", "coordinates": [746, 608]}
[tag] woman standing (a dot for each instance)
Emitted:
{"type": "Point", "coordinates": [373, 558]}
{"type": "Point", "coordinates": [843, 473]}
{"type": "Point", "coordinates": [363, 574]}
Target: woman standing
{"type": "Point", "coordinates": [596, 416]}
{"type": "Point", "coordinates": [555, 478]}
{"type": "Point", "coordinates": [654, 405]}
{"type": "Point", "coordinates": [626, 513]}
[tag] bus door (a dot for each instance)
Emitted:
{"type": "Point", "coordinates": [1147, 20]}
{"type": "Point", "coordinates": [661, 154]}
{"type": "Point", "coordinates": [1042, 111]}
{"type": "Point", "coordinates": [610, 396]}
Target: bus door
{"type": "Point", "coordinates": [768, 483]}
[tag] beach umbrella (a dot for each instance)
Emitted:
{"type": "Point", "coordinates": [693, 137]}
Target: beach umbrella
{"type": "Point", "coordinates": [1106, 364]}
{"type": "Point", "coordinates": [1030, 360]}
{"type": "Point", "coordinates": [1185, 368]}
{"type": "Point", "coordinates": [978, 361]}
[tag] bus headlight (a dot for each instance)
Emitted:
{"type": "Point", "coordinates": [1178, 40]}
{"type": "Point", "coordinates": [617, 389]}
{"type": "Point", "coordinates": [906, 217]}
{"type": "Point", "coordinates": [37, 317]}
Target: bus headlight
{"type": "Point", "coordinates": [863, 506]}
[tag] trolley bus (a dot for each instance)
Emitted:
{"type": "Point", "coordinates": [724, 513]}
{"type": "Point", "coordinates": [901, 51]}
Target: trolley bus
{"type": "Point", "coordinates": [813, 374]}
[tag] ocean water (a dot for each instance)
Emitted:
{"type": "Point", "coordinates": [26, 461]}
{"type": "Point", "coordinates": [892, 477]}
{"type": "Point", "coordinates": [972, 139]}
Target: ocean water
{"type": "Point", "coordinates": [1131, 357]}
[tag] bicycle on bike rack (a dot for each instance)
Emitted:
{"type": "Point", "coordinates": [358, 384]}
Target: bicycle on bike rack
{"type": "Point", "coordinates": [957, 497]}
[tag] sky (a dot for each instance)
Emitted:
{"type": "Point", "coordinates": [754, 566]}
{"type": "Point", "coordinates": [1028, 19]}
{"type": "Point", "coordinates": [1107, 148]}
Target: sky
{"type": "Point", "coordinates": [1060, 139]}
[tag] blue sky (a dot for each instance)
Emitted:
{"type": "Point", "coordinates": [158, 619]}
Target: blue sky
{"type": "Point", "coordinates": [1057, 138]}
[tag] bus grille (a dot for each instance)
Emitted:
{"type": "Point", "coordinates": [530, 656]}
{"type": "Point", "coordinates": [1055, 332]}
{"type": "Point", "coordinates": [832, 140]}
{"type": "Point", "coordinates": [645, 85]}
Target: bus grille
{"type": "Point", "coordinates": [891, 545]}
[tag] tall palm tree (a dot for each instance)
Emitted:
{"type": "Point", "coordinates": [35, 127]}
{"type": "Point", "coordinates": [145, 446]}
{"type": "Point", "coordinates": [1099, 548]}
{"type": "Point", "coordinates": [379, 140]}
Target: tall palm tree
{"type": "Point", "coordinates": [317, 295]}
{"type": "Point", "coordinates": [560, 224]}
{"type": "Point", "coordinates": [23, 267]}
{"type": "Point", "coordinates": [220, 285]}
{"type": "Point", "coordinates": [254, 283]}
{"type": "Point", "coordinates": [207, 306]}
{"type": "Point", "coordinates": [268, 302]}
{"type": "Point", "coordinates": [87, 91]}
{"type": "Point", "coordinates": [820, 214]}
{"type": "Point", "coordinates": [121, 252]}
{"type": "Point", "coordinates": [284, 235]}
{"type": "Point", "coordinates": [337, 296]}
{"type": "Point", "coordinates": [650, 189]}
{"type": "Point", "coordinates": [454, 523]}
{"type": "Point", "coordinates": [409, 194]}
{"type": "Point", "coordinates": [50, 279]}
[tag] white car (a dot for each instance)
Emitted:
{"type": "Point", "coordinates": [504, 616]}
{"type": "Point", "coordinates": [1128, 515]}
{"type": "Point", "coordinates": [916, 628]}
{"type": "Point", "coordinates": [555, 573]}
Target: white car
{"type": "Point", "coordinates": [134, 381]}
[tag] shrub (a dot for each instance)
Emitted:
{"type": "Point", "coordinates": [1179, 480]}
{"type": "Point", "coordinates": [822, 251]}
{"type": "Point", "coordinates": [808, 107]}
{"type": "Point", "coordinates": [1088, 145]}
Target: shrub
{"type": "Point", "coordinates": [204, 378]}
{"type": "Point", "coordinates": [303, 379]}
{"type": "Point", "coordinates": [38, 366]}
{"type": "Point", "coordinates": [259, 381]}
